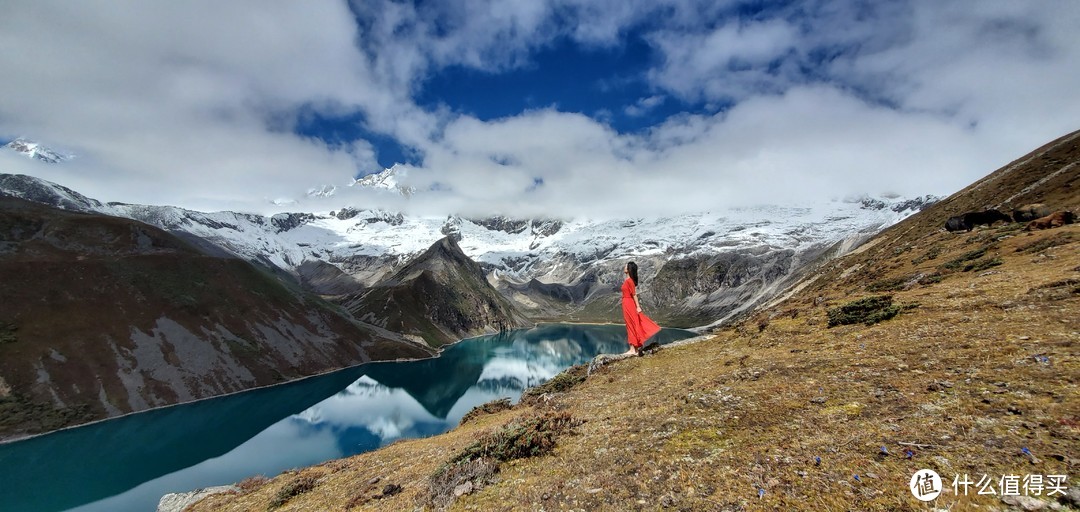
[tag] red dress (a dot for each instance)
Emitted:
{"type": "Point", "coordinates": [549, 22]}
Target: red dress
{"type": "Point", "coordinates": [638, 326]}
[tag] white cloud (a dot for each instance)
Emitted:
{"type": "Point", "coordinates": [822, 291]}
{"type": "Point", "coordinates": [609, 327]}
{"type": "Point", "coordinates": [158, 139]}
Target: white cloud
{"type": "Point", "coordinates": [644, 106]}
{"type": "Point", "coordinates": [167, 104]}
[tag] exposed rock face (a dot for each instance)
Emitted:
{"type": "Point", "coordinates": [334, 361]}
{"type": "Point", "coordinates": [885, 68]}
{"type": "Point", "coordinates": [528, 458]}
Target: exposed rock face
{"type": "Point", "coordinates": [701, 289]}
{"type": "Point", "coordinates": [441, 296]}
{"type": "Point", "coordinates": [326, 279]}
{"type": "Point", "coordinates": [103, 316]}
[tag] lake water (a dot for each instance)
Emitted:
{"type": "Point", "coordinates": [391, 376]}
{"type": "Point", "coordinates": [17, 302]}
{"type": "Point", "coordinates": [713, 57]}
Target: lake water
{"type": "Point", "coordinates": [129, 463]}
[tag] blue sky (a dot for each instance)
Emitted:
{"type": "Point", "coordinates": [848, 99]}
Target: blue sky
{"type": "Point", "coordinates": [538, 107]}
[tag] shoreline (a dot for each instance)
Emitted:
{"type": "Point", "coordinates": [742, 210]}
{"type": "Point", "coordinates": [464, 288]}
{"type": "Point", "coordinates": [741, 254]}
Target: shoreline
{"type": "Point", "coordinates": [438, 353]}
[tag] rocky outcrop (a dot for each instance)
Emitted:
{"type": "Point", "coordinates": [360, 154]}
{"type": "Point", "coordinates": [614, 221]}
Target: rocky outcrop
{"type": "Point", "coordinates": [440, 297]}
{"type": "Point", "coordinates": [103, 316]}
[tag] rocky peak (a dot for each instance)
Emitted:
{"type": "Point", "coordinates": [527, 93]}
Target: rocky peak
{"type": "Point", "coordinates": [36, 151]}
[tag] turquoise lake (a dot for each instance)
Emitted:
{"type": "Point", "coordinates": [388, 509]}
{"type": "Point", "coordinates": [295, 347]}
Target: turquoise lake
{"type": "Point", "coordinates": [128, 463]}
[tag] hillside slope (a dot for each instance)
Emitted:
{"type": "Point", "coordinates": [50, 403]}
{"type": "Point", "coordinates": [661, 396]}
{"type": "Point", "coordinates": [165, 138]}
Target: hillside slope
{"type": "Point", "coordinates": [103, 316]}
{"type": "Point", "coordinates": [441, 296]}
{"type": "Point", "coordinates": [977, 374]}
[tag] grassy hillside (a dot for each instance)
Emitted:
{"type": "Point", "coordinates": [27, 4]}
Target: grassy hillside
{"type": "Point", "coordinates": [974, 359]}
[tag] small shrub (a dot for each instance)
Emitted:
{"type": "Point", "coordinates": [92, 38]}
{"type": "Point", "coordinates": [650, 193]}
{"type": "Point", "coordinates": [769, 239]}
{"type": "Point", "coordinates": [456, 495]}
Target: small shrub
{"type": "Point", "coordinates": [560, 383]}
{"type": "Point", "coordinates": [252, 483]}
{"type": "Point", "coordinates": [1045, 243]}
{"type": "Point", "coordinates": [930, 254]}
{"type": "Point", "coordinates": [931, 279]}
{"type": "Point", "coordinates": [762, 323]}
{"type": "Point", "coordinates": [982, 264]}
{"type": "Point", "coordinates": [958, 263]}
{"type": "Point", "coordinates": [888, 285]}
{"type": "Point", "coordinates": [292, 489]}
{"type": "Point", "coordinates": [530, 437]}
{"type": "Point", "coordinates": [869, 311]}
{"type": "Point", "coordinates": [471, 476]}
{"type": "Point", "coordinates": [491, 407]}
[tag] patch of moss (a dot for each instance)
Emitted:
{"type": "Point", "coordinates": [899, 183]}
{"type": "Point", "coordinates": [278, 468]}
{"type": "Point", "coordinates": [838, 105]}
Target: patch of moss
{"type": "Point", "coordinates": [869, 311]}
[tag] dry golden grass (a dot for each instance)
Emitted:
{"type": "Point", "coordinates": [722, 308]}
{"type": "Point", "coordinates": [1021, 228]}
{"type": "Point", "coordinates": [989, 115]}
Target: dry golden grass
{"type": "Point", "coordinates": [708, 426]}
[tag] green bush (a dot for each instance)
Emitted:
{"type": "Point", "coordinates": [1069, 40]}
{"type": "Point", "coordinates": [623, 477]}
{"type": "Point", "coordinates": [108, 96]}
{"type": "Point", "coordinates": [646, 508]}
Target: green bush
{"type": "Point", "coordinates": [869, 311]}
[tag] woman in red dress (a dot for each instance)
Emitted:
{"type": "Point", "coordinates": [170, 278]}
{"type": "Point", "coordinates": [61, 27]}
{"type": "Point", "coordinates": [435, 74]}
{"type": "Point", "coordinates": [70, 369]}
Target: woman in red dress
{"type": "Point", "coordinates": [638, 326]}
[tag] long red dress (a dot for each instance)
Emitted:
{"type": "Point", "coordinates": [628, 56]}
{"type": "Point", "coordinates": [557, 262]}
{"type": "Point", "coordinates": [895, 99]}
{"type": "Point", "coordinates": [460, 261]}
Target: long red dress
{"type": "Point", "coordinates": [638, 326]}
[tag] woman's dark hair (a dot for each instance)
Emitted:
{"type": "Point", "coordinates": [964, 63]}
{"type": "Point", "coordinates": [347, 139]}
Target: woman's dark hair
{"type": "Point", "coordinates": [632, 268]}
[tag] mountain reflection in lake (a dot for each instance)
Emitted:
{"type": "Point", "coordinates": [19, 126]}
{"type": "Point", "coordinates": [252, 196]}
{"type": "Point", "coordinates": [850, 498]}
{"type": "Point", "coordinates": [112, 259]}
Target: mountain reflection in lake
{"type": "Point", "coordinates": [129, 463]}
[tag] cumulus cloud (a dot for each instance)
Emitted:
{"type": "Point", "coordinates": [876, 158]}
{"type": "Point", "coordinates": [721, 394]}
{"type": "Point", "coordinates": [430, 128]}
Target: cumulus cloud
{"type": "Point", "coordinates": [167, 104]}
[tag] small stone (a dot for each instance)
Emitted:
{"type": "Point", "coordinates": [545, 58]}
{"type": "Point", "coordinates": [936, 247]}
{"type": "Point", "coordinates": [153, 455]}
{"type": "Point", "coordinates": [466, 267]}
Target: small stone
{"type": "Point", "coordinates": [374, 481]}
{"type": "Point", "coordinates": [667, 501]}
{"type": "Point", "coordinates": [463, 489]}
{"type": "Point", "coordinates": [1025, 502]}
{"type": "Point", "coordinates": [1025, 338]}
{"type": "Point", "coordinates": [545, 496]}
{"type": "Point", "coordinates": [594, 491]}
{"type": "Point", "coordinates": [390, 490]}
{"type": "Point", "coordinates": [817, 400]}
{"type": "Point", "coordinates": [1015, 410]}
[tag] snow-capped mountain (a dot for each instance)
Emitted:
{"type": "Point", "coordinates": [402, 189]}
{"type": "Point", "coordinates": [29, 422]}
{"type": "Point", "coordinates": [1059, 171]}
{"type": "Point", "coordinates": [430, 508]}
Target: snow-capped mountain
{"type": "Point", "coordinates": [388, 179]}
{"type": "Point", "coordinates": [34, 150]}
{"type": "Point", "coordinates": [547, 267]}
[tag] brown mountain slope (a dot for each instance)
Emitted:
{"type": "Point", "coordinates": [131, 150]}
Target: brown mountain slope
{"type": "Point", "coordinates": [102, 316]}
{"type": "Point", "coordinates": [782, 412]}
{"type": "Point", "coordinates": [441, 296]}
